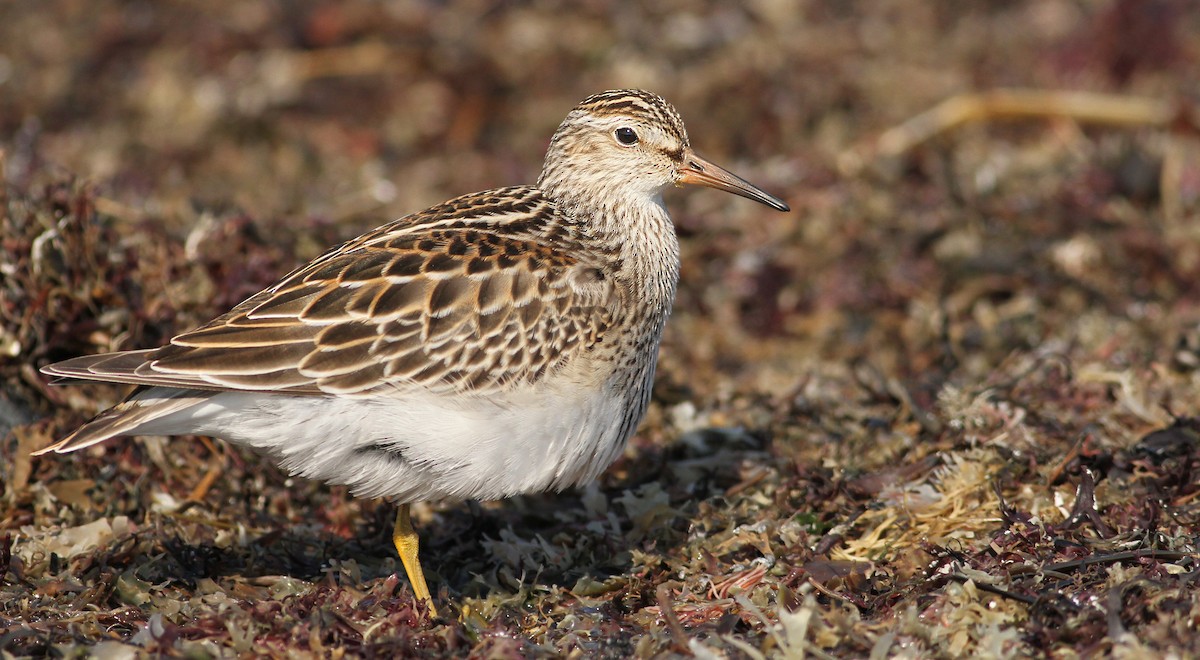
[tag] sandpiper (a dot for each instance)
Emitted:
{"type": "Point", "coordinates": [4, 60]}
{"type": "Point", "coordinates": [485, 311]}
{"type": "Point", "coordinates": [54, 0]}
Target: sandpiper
{"type": "Point", "coordinates": [499, 343]}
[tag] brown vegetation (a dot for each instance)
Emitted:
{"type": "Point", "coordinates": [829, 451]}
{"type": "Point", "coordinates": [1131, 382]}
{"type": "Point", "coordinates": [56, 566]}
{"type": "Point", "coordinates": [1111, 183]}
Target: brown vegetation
{"type": "Point", "coordinates": [945, 407]}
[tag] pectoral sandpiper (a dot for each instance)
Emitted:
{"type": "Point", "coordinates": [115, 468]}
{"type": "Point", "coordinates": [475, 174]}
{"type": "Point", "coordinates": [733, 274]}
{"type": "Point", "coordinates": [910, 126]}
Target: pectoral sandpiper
{"type": "Point", "coordinates": [502, 342]}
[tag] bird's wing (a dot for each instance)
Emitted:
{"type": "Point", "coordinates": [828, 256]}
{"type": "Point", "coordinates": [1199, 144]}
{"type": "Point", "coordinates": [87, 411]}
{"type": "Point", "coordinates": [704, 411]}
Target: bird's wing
{"type": "Point", "coordinates": [475, 295]}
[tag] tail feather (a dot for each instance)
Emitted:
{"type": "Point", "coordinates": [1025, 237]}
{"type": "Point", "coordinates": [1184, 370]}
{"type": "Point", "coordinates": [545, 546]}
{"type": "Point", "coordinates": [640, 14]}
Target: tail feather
{"type": "Point", "coordinates": [131, 367]}
{"type": "Point", "coordinates": [126, 418]}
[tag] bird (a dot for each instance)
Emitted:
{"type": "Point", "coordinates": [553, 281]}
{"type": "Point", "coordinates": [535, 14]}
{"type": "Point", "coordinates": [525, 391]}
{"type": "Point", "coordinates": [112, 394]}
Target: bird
{"type": "Point", "coordinates": [499, 343]}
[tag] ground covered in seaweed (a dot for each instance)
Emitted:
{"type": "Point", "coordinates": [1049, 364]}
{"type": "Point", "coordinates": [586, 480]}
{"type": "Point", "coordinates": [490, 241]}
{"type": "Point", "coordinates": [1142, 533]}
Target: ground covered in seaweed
{"type": "Point", "coordinates": [949, 405]}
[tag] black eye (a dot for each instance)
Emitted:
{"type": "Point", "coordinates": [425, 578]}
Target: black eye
{"type": "Point", "coordinates": [626, 136]}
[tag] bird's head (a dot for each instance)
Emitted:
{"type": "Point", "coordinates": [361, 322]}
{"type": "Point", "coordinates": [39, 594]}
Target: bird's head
{"type": "Point", "coordinates": [634, 141]}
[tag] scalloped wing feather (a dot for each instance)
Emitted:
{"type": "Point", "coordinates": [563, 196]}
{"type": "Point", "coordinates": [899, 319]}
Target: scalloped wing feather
{"type": "Point", "coordinates": [475, 295]}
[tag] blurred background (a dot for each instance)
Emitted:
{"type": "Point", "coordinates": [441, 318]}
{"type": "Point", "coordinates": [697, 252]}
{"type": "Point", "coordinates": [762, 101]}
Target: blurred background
{"type": "Point", "coordinates": [164, 160]}
{"type": "Point", "coordinates": [333, 117]}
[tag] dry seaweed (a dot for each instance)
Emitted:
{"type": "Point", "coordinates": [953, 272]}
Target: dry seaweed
{"type": "Point", "coordinates": [945, 408]}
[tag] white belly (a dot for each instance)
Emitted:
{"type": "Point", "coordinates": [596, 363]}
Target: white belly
{"type": "Point", "coordinates": [425, 446]}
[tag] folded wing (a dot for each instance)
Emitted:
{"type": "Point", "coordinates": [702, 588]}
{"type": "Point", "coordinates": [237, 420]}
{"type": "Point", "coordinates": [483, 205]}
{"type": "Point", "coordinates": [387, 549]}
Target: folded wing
{"type": "Point", "coordinates": [448, 300]}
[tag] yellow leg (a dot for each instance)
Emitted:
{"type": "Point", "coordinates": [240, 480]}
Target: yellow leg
{"type": "Point", "coordinates": [405, 538]}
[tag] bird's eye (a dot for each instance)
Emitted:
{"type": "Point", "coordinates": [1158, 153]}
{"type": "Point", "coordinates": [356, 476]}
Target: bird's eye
{"type": "Point", "coordinates": [626, 136]}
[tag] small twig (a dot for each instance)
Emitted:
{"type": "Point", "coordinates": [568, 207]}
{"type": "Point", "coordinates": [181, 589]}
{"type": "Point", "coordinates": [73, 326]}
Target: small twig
{"type": "Point", "coordinates": [364, 58]}
{"type": "Point", "coordinates": [983, 586]}
{"type": "Point", "coordinates": [831, 593]}
{"type": "Point", "coordinates": [1117, 557]}
{"type": "Point", "coordinates": [1086, 107]}
{"type": "Point", "coordinates": [210, 477]}
{"type": "Point", "coordinates": [1185, 499]}
{"type": "Point", "coordinates": [678, 634]}
{"type": "Point", "coordinates": [1056, 473]}
{"type": "Point", "coordinates": [759, 473]}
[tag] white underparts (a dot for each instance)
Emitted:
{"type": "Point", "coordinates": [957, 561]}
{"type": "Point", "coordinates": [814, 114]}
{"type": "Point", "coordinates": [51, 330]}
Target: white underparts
{"type": "Point", "coordinates": [422, 447]}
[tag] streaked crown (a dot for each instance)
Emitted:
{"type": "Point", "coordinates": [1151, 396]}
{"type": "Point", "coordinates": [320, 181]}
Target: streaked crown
{"type": "Point", "coordinates": [637, 103]}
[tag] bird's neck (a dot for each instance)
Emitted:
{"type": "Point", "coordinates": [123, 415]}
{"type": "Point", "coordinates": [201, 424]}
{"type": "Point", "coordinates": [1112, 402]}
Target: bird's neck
{"type": "Point", "coordinates": [630, 224]}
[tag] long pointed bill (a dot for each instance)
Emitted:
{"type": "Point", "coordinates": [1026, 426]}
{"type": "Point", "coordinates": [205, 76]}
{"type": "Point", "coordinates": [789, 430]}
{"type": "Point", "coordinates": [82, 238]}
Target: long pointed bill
{"type": "Point", "coordinates": [700, 172]}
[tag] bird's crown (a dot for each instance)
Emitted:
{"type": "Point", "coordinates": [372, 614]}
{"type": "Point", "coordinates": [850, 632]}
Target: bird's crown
{"type": "Point", "coordinates": [639, 104]}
